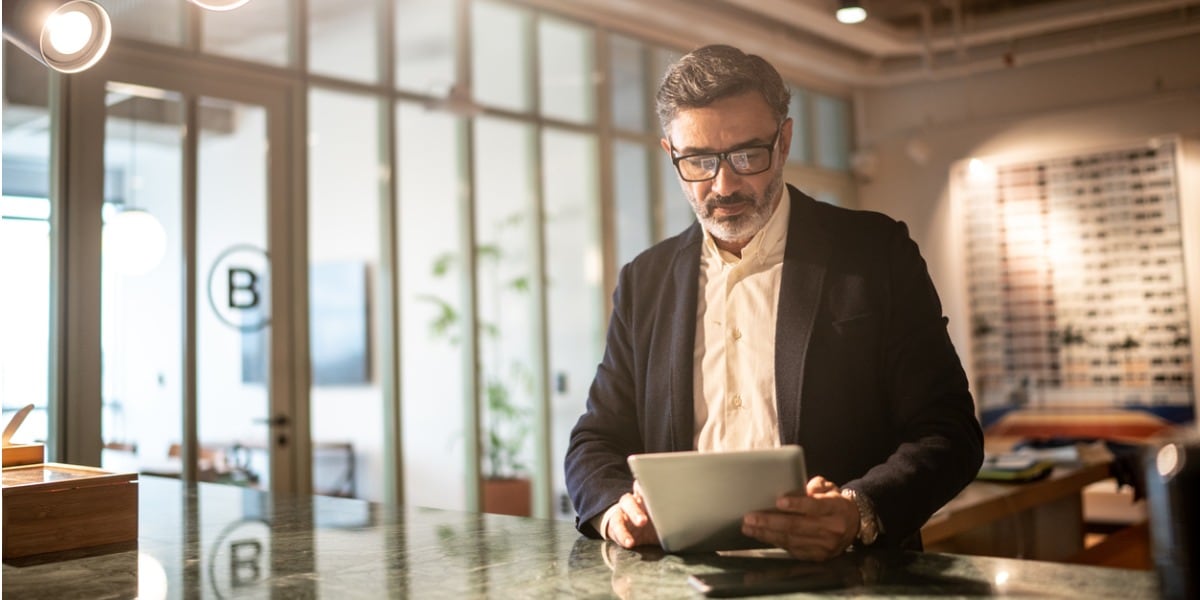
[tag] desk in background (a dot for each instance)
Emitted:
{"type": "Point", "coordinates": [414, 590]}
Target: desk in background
{"type": "Point", "coordinates": [215, 541]}
{"type": "Point", "coordinates": [239, 463]}
{"type": "Point", "coordinates": [1041, 520]}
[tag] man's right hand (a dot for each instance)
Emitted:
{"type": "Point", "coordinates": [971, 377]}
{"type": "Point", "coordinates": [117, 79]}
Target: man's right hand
{"type": "Point", "coordinates": [630, 523]}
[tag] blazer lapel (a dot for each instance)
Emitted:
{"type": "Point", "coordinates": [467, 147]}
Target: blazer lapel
{"type": "Point", "coordinates": [804, 264]}
{"type": "Point", "coordinates": [685, 274]}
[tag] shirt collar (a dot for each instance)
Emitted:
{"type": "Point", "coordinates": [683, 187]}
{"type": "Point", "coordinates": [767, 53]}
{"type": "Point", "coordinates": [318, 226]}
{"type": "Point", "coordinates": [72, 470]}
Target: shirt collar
{"type": "Point", "coordinates": [766, 247]}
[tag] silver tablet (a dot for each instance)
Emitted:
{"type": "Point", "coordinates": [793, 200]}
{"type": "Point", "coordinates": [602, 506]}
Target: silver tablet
{"type": "Point", "coordinates": [696, 500]}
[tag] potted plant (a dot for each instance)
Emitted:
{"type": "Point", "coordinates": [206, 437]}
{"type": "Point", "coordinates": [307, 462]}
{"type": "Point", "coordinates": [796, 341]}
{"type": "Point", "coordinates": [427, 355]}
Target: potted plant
{"type": "Point", "coordinates": [507, 488]}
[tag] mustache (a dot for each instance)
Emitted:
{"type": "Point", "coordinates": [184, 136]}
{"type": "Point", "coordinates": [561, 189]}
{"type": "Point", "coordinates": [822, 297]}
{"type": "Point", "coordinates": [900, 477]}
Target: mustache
{"type": "Point", "coordinates": [714, 201]}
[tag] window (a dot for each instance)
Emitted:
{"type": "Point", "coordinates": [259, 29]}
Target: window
{"type": "Point", "coordinates": [425, 51]}
{"type": "Point", "coordinates": [634, 217]}
{"type": "Point", "coordinates": [627, 77]}
{"type": "Point", "coordinates": [343, 39]}
{"type": "Point", "coordinates": [565, 71]}
{"type": "Point", "coordinates": [259, 32]}
{"type": "Point", "coordinates": [832, 131]}
{"type": "Point", "coordinates": [500, 65]}
{"type": "Point", "coordinates": [157, 22]}
{"type": "Point", "coordinates": [801, 147]}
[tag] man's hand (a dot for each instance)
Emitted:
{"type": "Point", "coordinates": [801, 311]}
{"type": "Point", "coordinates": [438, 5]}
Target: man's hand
{"type": "Point", "coordinates": [814, 524]}
{"type": "Point", "coordinates": [630, 524]}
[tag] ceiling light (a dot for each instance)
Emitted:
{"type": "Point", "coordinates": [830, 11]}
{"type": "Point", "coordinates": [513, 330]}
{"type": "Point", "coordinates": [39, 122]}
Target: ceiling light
{"type": "Point", "coordinates": [219, 4]}
{"type": "Point", "coordinates": [69, 31]}
{"type": "Point", "coordinates": [851, 11]}
{"type": "Point", "coordinates": [65, 35]}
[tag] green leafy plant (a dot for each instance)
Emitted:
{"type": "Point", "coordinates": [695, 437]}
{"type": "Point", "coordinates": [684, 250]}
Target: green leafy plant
{"type": "Point", "coordinates": [506, 423]}
{"type": "Point", "coordinates": [507, 427]}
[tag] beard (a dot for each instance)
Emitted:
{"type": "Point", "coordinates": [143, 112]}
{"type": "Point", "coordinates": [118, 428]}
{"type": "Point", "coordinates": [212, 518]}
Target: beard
{"type": "Point", "coordinates": [741, 227]}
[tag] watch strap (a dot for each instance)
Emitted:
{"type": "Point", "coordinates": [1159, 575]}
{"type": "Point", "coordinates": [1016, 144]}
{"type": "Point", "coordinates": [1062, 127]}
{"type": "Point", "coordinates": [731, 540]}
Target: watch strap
{"type": "Point", "coordinates": [868, 522]}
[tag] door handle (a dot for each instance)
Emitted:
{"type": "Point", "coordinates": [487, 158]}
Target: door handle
{"type": "Point", "coordinates": [276, 421]}
{"type": "Point", "coordinates": [279, 420]}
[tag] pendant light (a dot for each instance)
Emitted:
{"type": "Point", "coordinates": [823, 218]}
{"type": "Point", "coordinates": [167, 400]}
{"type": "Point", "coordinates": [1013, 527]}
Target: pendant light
{"type": "Point", "coordinates": [134, 239]}
{"type": "Point", "coordinates": [219, 5]}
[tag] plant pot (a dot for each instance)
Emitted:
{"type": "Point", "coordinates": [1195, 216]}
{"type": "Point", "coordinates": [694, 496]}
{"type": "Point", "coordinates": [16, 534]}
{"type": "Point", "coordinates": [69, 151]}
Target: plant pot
{"type": "Point", "coordinates": [507, 496]}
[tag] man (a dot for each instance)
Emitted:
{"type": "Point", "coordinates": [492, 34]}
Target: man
{"type": "Point", "coordinates": [774, 320]}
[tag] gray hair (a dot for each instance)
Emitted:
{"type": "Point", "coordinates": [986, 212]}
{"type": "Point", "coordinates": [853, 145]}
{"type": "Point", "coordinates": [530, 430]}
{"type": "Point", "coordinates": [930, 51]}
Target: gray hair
{"type": "Point", "coordinates": [715, 72]}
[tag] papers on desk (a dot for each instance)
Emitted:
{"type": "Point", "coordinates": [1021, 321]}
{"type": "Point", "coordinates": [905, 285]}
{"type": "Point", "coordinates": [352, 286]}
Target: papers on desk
{"type": "Point", "coordinates": [1014, 467]}
{"type": "Point", "coordinates": [1060, 455]}
{"type": "Point", "coordinates": [1029, 464]}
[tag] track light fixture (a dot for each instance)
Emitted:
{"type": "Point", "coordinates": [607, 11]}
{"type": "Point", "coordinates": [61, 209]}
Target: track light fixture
{"type": "Point", "coordinates": [851, 11]}
{"type": "Point", "coordinates": [69, 35]}
{"type": "Point", "coordinates": [65, 35]}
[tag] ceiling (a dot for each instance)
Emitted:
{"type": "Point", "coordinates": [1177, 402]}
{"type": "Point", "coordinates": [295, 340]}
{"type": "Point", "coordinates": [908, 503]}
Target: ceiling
{"type": "Point", "coordinates": [902, 41]}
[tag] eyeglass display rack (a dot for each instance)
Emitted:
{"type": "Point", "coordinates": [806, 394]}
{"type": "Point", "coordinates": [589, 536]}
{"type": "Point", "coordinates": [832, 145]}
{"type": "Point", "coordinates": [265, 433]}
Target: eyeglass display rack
{"type": "Point", "coordinates": [1076, 278]}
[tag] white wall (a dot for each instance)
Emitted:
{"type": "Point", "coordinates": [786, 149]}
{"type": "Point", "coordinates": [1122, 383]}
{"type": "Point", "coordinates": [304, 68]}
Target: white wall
{"type": "Point", "coordinates": [1098, 100]}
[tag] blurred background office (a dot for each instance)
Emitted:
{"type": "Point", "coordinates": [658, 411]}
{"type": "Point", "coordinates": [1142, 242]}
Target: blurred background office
{"type": "Point", "coordinates": [367, 247]}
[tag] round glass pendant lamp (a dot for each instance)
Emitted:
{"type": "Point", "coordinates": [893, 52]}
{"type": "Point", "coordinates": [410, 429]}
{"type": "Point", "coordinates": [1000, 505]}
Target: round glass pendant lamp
{"type": "Point", "coordinates": [135, 241]}
{"type": "Point", "coordinates": [219, 5]}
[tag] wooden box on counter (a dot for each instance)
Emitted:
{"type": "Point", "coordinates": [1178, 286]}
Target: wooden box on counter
{"type": "Point", "coordinates": [52, 508]}
{"type": "Point", "coordinates": [23, 454]}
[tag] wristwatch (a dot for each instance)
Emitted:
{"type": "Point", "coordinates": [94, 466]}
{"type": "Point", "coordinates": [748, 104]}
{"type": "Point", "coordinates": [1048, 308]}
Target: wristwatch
{"type": "Point", "coordinates": [868, 523]}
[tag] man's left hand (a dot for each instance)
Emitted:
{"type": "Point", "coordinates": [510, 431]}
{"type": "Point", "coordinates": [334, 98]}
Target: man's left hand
{"type": "Point", "coordinates": [814, 524]}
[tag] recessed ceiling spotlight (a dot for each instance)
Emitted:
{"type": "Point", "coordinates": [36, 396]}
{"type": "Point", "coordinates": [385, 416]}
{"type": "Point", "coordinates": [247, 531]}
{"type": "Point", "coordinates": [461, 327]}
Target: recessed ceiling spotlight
{"type": "Point", "coordinates": [851, 11]}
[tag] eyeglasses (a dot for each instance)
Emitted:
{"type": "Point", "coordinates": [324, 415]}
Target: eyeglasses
{"type": "Point", "coordinates": [748, 160]}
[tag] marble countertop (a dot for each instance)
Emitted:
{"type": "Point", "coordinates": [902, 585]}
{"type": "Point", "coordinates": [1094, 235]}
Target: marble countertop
{"type": "Point", "coordinates": [217, 541]}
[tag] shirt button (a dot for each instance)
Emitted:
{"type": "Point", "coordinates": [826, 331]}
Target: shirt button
{"type": "Point", "coordinates": [736, 401]}
{"type": "Point", "coordinates": [737, 334]}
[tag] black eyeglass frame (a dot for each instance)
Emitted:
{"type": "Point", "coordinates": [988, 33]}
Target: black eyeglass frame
{"type": "Point", "coordinates": [723, 157]}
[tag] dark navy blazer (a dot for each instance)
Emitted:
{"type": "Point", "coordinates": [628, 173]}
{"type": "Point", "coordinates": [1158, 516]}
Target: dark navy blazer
{"type": "Point", "coordinates": [866, 378]}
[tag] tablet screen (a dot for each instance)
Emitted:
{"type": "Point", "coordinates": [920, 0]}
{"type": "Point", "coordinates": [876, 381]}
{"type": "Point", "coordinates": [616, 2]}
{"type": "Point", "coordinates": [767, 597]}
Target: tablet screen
{"type": "Point", "coordinates": [696, 500]}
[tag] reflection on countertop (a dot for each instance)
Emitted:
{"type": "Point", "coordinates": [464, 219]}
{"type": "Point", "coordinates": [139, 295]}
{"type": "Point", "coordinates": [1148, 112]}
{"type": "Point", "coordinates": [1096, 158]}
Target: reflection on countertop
{"type": "Point", "coordinates": [215, 541]}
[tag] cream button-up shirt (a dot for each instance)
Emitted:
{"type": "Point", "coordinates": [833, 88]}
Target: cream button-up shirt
{"type": "Point", "coordinates": [734, 361]}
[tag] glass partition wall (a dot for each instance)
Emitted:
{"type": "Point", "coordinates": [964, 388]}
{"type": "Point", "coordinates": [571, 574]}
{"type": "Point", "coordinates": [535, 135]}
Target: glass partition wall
{"type": "Point", "coordinates": [26, 227]}
{"type": "Point", "coordinates": [189, 371]}
{"type": "Point", "coordinates": [141, 277]}
{"type": "Point", "coordinates": [466, 179]}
